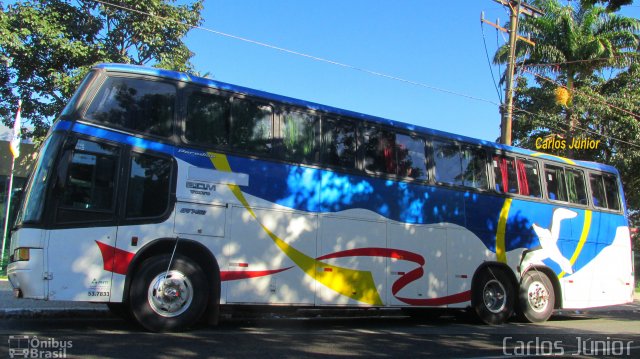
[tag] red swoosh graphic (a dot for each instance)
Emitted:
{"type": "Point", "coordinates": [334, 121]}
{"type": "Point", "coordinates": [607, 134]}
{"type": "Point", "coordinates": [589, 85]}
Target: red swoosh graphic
{"type": "Point", "coordinates": [117, 261]}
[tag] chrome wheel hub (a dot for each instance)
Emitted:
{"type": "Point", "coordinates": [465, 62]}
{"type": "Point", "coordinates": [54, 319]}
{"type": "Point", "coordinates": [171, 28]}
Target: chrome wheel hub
{"type": "Point", "coordinates": [495, 296]}
{"type": "Point", "coordinates": [170, 295]}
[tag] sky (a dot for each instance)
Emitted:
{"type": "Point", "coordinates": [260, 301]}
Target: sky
{"type": "Point", "coordinates": [437, 46]}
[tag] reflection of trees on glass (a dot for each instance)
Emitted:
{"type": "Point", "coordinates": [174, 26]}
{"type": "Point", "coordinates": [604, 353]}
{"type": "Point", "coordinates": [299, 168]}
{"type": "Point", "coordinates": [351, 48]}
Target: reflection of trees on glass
{"type": "Point", "coordinates": [149, 184]}
{"type": "Point", "coordinates": [139, 105]}
{"type": "Point", "coordinates": [251, 126]}
{"type": "Point", "coordinates": [460, 165]}
{"type": "Point", "coordinates": [411, 157]}
{"type": "Point", "coordinates": [611, 190]}
{"type": "Point", "coordinates": [339, 140]}
{"type": "Point", "coordinates": [299, 137]}
{"type": "Point", "coordinates": [207, 119]}
{"type": "Point", "coordinates": [379, 150]}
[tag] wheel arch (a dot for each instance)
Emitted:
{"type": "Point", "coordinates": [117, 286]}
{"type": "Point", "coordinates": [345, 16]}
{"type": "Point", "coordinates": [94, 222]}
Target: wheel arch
{"type": "Point", "coordinates": [494, 265]}
{"type": "Point", "coordinates": [186, 247]}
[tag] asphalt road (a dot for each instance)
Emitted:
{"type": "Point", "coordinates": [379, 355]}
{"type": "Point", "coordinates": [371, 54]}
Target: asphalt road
{"type": "Point", "coordinates": [315, 334]}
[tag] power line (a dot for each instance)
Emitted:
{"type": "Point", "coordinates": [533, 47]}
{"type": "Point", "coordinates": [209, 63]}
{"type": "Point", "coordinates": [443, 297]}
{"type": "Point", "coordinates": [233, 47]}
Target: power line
{"type": "Point", "coordinates": [315, 58]}
{"type": "Point", "coordinates": [555, 64]}
{"type": "Point", "coordinates": [297, 53]}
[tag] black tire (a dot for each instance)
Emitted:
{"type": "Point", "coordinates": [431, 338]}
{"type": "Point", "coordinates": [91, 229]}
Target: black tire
{"type": "Point", "coordinates": [536, 298]}
{"type": "Point", "coordinates": [181, 303]}
{"type": "Point", "coordinates": [493, 296]}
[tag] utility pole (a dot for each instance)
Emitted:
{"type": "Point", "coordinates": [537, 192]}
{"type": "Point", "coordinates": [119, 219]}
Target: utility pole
{"type": "Point", "coordinates": [516, 7]}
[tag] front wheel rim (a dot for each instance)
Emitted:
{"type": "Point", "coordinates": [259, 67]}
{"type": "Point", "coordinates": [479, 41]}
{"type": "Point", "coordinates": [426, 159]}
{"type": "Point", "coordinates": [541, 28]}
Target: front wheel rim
{"type": "Point", "coordinates": [494, 296]}
{"type": "Point", "coordinates": [170, 295]}
{"type": "Point", "coordinates": [538, 296]}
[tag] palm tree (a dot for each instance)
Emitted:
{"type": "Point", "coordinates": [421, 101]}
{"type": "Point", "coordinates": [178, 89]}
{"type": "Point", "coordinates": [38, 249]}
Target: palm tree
{"type": "Point", "coordinates": [574, 42]}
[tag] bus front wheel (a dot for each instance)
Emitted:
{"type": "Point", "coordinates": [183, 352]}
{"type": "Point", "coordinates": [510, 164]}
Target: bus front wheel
{"type": "Point", "coordinates": [170, 300]}
{"type": "Point", "coordinates": [493, 296]}
{"type": "Point", "coordinates": [536, 297]}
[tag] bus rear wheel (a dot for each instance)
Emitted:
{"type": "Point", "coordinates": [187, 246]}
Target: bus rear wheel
{"type": "Point", "coordinates": [171, 300]}
{"type": "Point", "coordinates": [536, 297]}
{"type": "Point", "coordinates": [493, 297]}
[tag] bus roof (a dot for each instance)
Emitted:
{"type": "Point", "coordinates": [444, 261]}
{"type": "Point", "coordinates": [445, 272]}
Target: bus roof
{"type": "Point", "coordinates": [180, 76]}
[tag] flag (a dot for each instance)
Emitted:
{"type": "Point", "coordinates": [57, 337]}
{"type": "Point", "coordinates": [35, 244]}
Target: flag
{"type": "Point", "coordinates": [15, 141]}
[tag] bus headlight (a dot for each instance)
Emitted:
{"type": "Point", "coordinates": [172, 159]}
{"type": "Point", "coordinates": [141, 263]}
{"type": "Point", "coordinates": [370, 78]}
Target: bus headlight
{"type": "Point", "coordinates": [20, 254]}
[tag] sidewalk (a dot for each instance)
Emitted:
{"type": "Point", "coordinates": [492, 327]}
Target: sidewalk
{"type": "Point", "coordinates": [11, 307]}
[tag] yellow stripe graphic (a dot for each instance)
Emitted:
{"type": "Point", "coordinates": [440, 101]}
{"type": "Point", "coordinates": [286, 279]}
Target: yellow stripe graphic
{"type": "Point", "coordinates": [501, 252]}
{"type": "Point", "coordinates": [355, 284]}
{"type": "Point", "coordinates": [566, 160]}
{"type": "Point", "coordinates": [583, 238]}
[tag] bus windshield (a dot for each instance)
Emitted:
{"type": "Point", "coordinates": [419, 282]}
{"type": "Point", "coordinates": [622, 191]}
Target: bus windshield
{"type": "Point", "coordinates": [33, 204]}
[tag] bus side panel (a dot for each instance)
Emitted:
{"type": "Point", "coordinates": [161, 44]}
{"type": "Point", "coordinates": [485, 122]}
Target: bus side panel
{"type": "Point", "coordinates": [261, 253]}
{"type": "Point", "coordinates": [430, 244]}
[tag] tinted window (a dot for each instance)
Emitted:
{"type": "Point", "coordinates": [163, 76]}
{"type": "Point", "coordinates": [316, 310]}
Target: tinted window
{"type": "Point", "coordinates": [460, 165]}
{"type": "Point", "coordinates": [379, 150]}
{"type": "Point", "coordinates": [139, 105]}
{"type": "Point", "coordinates": [300, 138]}
{"type": "Point", "coordinates": [474, 168]}
{"type": "Point", "coordinates": [90, 173]}
{"type": "Point", "coordinates": [556, 187]}
{"type": "Point", "coordinates": [576, 187]}
{"type": "Point", "coordinates": [611, 190]}
{"type": "Point", "coordinates": [411, 158]}
{"type": "Point", "coordinates": [447, 160]}
{"type": "Point", "coordinates": [598, 191]}
{"type": "Point", "coordinates": [149, 186]}
{"type": "Point", "coordinates": [207, 119]}
{"type": "Point", "coordinates": [528, 178]}
{"type": "Point", "coordinates": [339, 143]}
{"type": "Point", "coordinates": [251, 126]}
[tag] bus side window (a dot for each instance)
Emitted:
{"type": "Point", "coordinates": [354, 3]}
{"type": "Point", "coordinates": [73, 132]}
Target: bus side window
{"type": "Point", "coordinates": [207, 120]}
{"type": "Point", "coordinates": [474, 168]}
{"type": "Point", "coordinates": [528, 177]}
{"type": "Point", "coordinates": [556, 188]}
{"type": "Point", "coordinates": [597, 191]}
{"type": "Point", "coordinates": [90, 183]}
{"type": "Point", "coordinates": [411, 157]}
{"type": "Point", "coordinates": [576, 187]}
{"type": "Point", "coordinates": [379, 150]}
{"type": "Point", "coordinates": [149, 186]}
{"type": "Point", "coordinates": [300, 137]}
{"type": "Point", "coordinates": [505, 174]}
{"type": "Point", "coordinates": [612, 193]}
{"type": "Point", "coordinates": [251, 126]}
{"type": "Point", "coordinates": [338, 143]}
{"type": "Point", "coordinates": [448, 162]}
{"type": "Point", "coordinates": [138, 105]}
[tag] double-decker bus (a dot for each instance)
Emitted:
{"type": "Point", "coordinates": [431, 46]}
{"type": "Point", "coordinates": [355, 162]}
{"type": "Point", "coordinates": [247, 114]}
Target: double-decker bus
{"type": "Point", "coordinates": [167, 195]}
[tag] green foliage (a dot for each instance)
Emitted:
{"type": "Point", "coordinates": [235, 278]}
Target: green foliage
{"type": "Point", "coordinates": [612, 5]}
{"type": "Point", "coordinates": [51, 45]}
{"type": "Point", "coordinates": [593, 53]}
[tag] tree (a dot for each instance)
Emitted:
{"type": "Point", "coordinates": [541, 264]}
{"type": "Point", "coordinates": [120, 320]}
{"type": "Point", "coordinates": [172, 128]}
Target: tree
{"type": "Point", "coordinates": [574, 47]}
{"type": "Point", "coordinates": [49, 45]}
{"type": "Point", "coordinates": [612, 5]}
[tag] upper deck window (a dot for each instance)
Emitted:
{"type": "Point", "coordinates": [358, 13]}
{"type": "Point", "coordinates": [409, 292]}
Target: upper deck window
{"type": "Point", "coordinates": [138, 105]}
